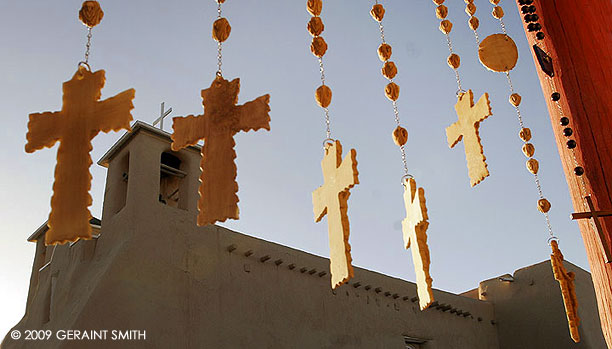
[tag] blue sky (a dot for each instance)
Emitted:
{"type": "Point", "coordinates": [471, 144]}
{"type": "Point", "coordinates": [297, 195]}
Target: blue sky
{"type": "Point", "coordinates": [165, 51]}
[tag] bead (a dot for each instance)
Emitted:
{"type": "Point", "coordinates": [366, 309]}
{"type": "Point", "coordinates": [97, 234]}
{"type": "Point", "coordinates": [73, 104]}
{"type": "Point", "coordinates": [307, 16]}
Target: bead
{"type": "Point", "coordinates": [400, 136]}
{"type": "Point", "coordinates": [438, 2]}
{"type": "Point", "coordinates": [314, 7]}
{"type": "Point", "coordinates": [564, 121]}
{"type": "Point", "coordinates": [91, 13]}
{"type": "Point", "coordinates": [323, 95]}
{"type": "Point", "coordinates": [528, 149]}
{"type": "Point", "coordinates": [441, 12]}
{"type": "Point", "coordinates": [532, 27]}
{"type": "Point", "coordinates": [473, 22]}
{"type": "Point", "coordinates": [533, 166]}
{"type": "Point", "coordinates": [528, 9]}
{"type": "Point", "coordinates": [571, 144]}
{"type": "Point", "coordinates": [221, 29]}
{"type": "Point", "coordinates": [567, 132]}
{"type": "Point", "coordinates": [534, 17]}
{"type": "Point", "coordinates": [543, 205]}
{"type": "Point", "coordinates": [498, 52]}
{"type": "Point", "coordinates": [545, 61]}
{"type": "Point", "coordinates": [453, 61]}
{"type": "Point", "coordinates": [527, 18]}
{"type": "Point", "coordinates": [525, 134]}
{"type": "Point", "coordinates": [555, 96]}
{"type": "Point", "coordinates": [389, 70]}
{"type": "Point", "coordinates": [384, 52]}
{"type": "Point", "coordinates": [539, 35]}
{"type": "Point", "coordinates": [498, 12]}
{"type": "Point", "coordinates": [537, 26]}
{"type": "Point", "coordinates": [515, 99]}
{"type": "Point", "coordinates": [392, 91]}
{"type": "Point", "coordinates": [446, 26]}
{"type": "Point", "coordinates": [470, 9]}
{"type": "Point", "coordinates": [528, 2]}
{"type": "Point", "coordinates": [318, 47]}
{"type": "Point", "coordinates": [579, 171]}
{"type": "Point", "coordinates": [378, 12]}
{"type": "Point", "coordinates": [315, 26]}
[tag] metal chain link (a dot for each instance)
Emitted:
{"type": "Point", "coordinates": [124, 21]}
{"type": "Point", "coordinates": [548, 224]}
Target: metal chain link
{"type": "Point", "coordinates": [88, 45]}
{"type": "Point", "coordinates": [219, 45]}
{"type": "Point", "coordinates": [503, 25]}
{"type": "Point", "coordinates": [327, 122]}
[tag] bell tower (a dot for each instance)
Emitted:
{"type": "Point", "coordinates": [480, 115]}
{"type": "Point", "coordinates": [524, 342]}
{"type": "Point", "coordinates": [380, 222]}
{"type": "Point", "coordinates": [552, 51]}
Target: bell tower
{"type": "Point", "coordinates": [147, 180]}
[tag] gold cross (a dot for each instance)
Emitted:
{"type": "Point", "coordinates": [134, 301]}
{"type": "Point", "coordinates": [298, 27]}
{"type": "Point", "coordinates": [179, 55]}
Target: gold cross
{"type": "Point", "coordinates": [82, 117]}
{"type": "Point", "coordinates": [332, 199]}
{"type": "Point", "coordinates": [222, 119]}
{"type": "Point", "coordinates": [466, 128]}
{"type": "Point", "coordinates": [414, 227]}
{"type": "Point", "coordinates": [593, 213]}
{"type": "Point", "coordinates": [568, 290]}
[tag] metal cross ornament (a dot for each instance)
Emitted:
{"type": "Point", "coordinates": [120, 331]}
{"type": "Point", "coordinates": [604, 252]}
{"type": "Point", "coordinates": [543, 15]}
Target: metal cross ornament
{"type": "Point", "coordinates": [593, 213]}
{"type": "Point", "coordinates": [82, 117]}
{"type": "Point", "coordinates": [162, 116]}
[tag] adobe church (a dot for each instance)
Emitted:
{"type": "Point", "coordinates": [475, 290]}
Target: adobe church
{"type": "Point", "coordinates": [150, 268]}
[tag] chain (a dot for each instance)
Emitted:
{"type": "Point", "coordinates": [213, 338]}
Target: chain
{"type": "Point", "coordinates": [394, 102]}
{"type": "Point", "coordinates": [503, 26]}
{"type": "Point", "coordinates": [536, 178]}
{"type": "Point", "coordinates": [457, 78]}
{"type": "Point", "coordinates": [88, 45]}
{"type": "Point", "coordinates": [219, 44]}
{"type": "Point", "coordinates": [326, 110]}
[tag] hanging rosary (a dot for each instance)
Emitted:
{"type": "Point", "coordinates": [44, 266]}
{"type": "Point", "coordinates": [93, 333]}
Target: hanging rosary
{"type": "Point", "coordinates": [81, 118]}
{"type": "Point", "coordinates": [499, 53]}
{"type": "Point", "coordinates": [339, 176]}
{"type": "Point", "coordinates": [415, 225]}
{"type": "Point", "coordinates": [221, 120]}
{"type": "Point", "coordinates": [470, 114]}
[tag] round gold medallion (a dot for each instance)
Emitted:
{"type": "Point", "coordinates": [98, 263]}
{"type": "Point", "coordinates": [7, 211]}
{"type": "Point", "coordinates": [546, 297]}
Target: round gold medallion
{"type": "Point", "coordinates": [498, 53]}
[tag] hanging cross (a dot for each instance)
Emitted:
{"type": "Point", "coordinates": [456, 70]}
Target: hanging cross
{"type": "Point", "coordinates": [331, 199]}
{"type": "Point", "coordinates": [568, 290]}
{"type": "Point", "coordinates": [466, 128]}
{"type": "Point", "coordinates": [222, 119]}
{"type": "Point", "coordinates": [161, 117]}
{"type": "Point", "coordinates": [414, 227]}
{"type": "Point", "coordinates": [593, 213]}
{"type": "Point", "coordinates": [81, 118]}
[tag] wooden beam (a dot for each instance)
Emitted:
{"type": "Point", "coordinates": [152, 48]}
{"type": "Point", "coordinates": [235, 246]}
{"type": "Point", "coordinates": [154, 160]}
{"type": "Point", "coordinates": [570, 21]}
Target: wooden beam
{"type": "Point", "coordinates": [578, 38]}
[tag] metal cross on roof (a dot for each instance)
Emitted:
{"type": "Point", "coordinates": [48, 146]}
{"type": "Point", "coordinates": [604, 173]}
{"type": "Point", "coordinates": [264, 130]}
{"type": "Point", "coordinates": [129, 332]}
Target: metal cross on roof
{"type": "Point", "coordinates": [598, 228]}
{"type": "Point", "coordinates": [161, 117]}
